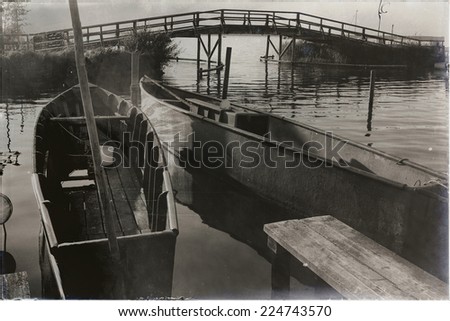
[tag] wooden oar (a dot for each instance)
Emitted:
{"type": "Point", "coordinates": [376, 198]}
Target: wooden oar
{"type": "Point", "coordinates": [103, 190]}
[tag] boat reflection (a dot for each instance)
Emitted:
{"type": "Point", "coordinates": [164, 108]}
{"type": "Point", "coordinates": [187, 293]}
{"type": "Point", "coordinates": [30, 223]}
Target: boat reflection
{"type": "Point", "coordinates": [229, 207]}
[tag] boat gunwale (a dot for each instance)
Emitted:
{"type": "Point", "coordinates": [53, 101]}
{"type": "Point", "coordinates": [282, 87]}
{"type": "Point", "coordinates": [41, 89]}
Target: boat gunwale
{"type": "Point", "coordinates": [144, 234]}
{"type": "Point", "coordinates": [262, 139]}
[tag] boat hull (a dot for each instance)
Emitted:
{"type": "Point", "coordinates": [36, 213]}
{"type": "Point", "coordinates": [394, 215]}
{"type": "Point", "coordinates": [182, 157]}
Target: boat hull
{"type": "Point", "coordinates": [86, 270]}
{"type": "Point", "coordinates": [75, 256]}
{"type": "Point", "coordinates": [413, 222]}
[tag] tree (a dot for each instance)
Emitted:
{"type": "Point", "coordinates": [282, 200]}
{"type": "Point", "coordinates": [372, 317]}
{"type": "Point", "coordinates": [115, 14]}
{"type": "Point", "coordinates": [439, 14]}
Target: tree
{"type": "Point", "coordinates": [12, 21]}
{"type": "Point", "coordinates": [13, 16]}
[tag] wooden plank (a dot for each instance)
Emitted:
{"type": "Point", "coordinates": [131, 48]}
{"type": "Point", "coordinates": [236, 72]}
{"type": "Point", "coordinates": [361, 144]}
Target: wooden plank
{"type": "Point", "coordinates": [81, 120]}
{"type": "Point", "coordinates": [353, 264]}
{"type": "Point", "coordinates": [76, 206]}
{"type": "Point", "coordinates": [155, 191]}
{"type": "Point", "coordinates": [123, 209]}
{"type": "Point", "coordinates": [348, 276]}
{"type": "Point", "coordinates": [129, 178]}
{"type": "Point", "coordinates": [136, 201]}
{"type": "Point", "coordinates": [14, 286]}
{"type": "Point", "coordinates": [94, 220]}
{"type": "Point", "coordinates": [203, 103]}
{"type": "Point", "coordinates": [404, 274]}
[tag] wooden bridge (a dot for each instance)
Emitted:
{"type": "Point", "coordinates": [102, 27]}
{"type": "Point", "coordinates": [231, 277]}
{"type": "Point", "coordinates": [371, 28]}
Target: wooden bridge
{"type": "Point", "coordinates": [295, 25]}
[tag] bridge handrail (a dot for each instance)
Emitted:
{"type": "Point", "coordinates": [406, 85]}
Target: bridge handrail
{"type": "Point", "coordinates": [200, 19]}
{"type": "Point", "coordinates": [275, 14]}
{"type": "Point", "coordinates": [317, 17]}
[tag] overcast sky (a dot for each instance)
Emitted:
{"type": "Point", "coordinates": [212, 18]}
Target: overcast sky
{"type": "Point", "coordinates": [428, 18]}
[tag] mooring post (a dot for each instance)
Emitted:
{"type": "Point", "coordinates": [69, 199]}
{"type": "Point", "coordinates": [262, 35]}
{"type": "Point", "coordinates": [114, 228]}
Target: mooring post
{"type": "Point", "coordinates": [267, 47]}
{"type": "Point", "coordinates": [227, 73]}
{"type": "Point", "coordinates": [280, 47]}
{"type": "Point", "coordinates": [219, 54]}
{"type": "Point", "coordinates": [134, 88]}
{"type": "Point", "coordinates": [372, 87]}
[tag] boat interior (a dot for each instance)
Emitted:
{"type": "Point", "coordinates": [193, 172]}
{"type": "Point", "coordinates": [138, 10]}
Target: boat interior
{"type": "Point", "coordinates": [293, 134]}
{"type": "Point", "coordinates": [136, 174]}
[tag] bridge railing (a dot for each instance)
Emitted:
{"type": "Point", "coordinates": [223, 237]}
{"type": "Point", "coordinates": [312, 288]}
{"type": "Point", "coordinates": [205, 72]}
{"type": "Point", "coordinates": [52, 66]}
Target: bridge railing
{"type": "Point", "coordinates": [302, 22]}
{"type": "Point", "coordinates": [192, 23]}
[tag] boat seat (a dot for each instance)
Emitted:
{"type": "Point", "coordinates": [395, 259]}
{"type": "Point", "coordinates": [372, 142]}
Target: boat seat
{"type": "Point", "coordinates": [205, 109]}
{"type": "Point", "coordinates": [203, 104]}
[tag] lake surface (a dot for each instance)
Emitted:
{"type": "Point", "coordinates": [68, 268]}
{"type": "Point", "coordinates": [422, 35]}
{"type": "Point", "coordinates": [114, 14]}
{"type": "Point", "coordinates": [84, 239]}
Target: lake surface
{"type": "Point", "coordinates": [221, 249]}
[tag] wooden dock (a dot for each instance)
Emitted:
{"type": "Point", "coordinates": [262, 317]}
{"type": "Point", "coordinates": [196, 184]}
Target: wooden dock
{"type": "Point", "coordinates": [354, 265]}
{"type": "Point", "coordinates": [14, 286]}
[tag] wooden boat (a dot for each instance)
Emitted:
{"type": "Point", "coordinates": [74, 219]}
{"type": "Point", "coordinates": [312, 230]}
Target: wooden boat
{"type": "Point", "coordinates": [75, 256]}
{"type": "Point", "coordinates": [398, 203]}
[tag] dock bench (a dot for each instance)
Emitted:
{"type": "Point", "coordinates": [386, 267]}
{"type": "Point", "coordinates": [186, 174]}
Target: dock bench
{"type": "Point", "coordinates": [353, 264]}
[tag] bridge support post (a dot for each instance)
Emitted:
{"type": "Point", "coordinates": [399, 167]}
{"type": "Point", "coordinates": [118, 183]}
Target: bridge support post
{"type": "Point", "coordinates": [293, 50]}
{"type": "Point", "coordinates": [209, 61]}
{"type": "Point", "coordinates": [198, 59]}
{"type": "Point", "coordinates": [219, 62]}
{"type": "Point", "coordinates": [219, 53]}
{"type": "Point", "coordinates": [267, 47]}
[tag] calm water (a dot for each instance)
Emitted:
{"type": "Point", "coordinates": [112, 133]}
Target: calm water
{"type": "Point", "coordinates": [221, 250]}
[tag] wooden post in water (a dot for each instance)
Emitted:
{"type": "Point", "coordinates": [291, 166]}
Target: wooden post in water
{"type": "Point", "coordinates": [134, 88]}
{"type": "Point", "coordinates": [369, 114]}
{"type": "Point", "coordinates": [227, 73]}
{"type": "Point", "coordinates": [267, 47]}
{"type": "Point", "coordinates": [372, 87]}
{"type": "Point", "coordinates": [280, 47]}
{"type": "Point", "coordinates": [103, 191]}
{"type": "Point", "coordinates": [219, 53]}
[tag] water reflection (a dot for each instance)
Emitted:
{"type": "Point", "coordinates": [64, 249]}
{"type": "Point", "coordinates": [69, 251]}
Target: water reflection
{"type": "Point", "coordinates": [226, 206]}
{"type": "Point", "coordinates": [9, 156]}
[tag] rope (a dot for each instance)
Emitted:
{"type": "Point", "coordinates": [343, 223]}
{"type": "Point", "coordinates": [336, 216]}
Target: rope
{"type": "Point", "coordinates": [70, 133]}
{"type": "Point", "coordinates": [436, 181]}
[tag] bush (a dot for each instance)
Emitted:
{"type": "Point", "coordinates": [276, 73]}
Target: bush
{"type": "Point", "coordinates": [28, 73]}
{"type": "Point", "coordinates": [158, 47]}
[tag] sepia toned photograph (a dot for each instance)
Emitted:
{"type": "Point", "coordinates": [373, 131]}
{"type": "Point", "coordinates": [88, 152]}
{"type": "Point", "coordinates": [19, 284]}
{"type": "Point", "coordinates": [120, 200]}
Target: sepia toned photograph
{"type": "Point", "coordinates": [224, 150]}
